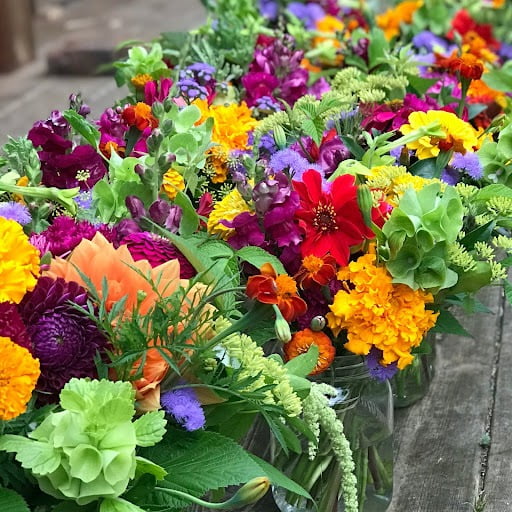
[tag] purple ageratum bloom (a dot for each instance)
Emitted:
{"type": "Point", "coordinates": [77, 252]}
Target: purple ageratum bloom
{"type": "Point", "coordinates": [192, 89]}
{"type": "Point", "coordinates": [84, 200]}
{"type": "Point", "coordinates": [267, 105]}
{"type": "Point", "coordinates": [430, 42]}
{"type": "Point", "coordinates": [202, 72]}
{"type": "Point", "coordinates": [63, 338]}
{"type": "Point", "coordinates": [267, 144]}
{"type": "Point", "coordinates": [15, 211]}
{"type": "Point", "coordinates": [308, 13]}
{"type": "Point", "coordinates": [505, 51]}
{"type": "Point", "coordinates": [66, 233]}
{"type": "Point", "coordinates": [451, 176]}
{"type": "Point", "coordinates": [290, 160]}
{"type": "Point", "coordinates": [184, 406]}
{"type": "Point", "coordinates": [83, 168]}
{"type": "Point", "coordinates": [469, 163]}
{"type": "Point", "coordinates": [377, 370]}
{"type": "Point", "coordinates": [269, 9]}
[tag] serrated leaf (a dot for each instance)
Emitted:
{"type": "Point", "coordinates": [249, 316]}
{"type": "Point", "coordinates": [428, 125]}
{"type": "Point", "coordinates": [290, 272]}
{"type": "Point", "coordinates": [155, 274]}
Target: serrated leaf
{"type": "Point", "coordinates": [11, 501]}
{"type": "Point", "coordinates": [150, 428]}
{"type": "Point", "coordinates": [40, 458]}
{"type": "Point", "coordinates": [314, 128]}
{"type": "Point", "coordinates": [447, 323]}
{"type": "Point", "coordinates": [257, 257]}
{"type": "Point", "coordinates": [118, 505]}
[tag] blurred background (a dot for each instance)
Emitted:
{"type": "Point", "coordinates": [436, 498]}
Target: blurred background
{"type": "Point", "coordinates": [53, 48]}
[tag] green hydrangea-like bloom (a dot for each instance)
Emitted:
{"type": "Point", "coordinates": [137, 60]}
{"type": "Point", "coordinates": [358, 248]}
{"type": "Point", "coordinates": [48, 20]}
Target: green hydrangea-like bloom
{"type": "Point", "coordinates": [418, 234]}
{"type": "Point", "coordinates": [87, 451]}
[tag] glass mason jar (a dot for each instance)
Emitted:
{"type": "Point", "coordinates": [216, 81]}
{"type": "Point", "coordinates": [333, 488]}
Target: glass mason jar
{"type": "Point", "coordinates": [413, 382]}
{"type": "Point", "coordinates": [365, 407]}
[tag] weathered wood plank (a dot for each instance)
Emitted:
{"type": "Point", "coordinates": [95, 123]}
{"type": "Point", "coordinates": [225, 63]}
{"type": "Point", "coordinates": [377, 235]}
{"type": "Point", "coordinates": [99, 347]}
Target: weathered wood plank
{"type": "Point", "coordinates": [437, 451]}
{"type": "Point", "coordinates": [497, 488]}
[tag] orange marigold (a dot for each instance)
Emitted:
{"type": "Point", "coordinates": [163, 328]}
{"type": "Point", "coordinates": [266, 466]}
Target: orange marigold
{"type": "Point", "coordinates": [316, 270]}
{"type": "Point", "coordinates": [301, 342]}
{"type": "Point", "coordinates": [391, 20]}
{"type": "Point", "coordinates": [19, 262]}
{"type": "Point", "coordinates": [19, 372]}
{"type": "Point", "coordinates": [377, 313]}
{"type": "Point", "coordinates": [140, 116]}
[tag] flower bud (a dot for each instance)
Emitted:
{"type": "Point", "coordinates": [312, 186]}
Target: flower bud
{"type": "Point", "coordinates": [365, 202]}
{"type": "Point", "coordinates": [282, 327]}
{"type": "Point", "coordinates": [318, 323]}
{"type": "Point", "coordinates": [249, 493]}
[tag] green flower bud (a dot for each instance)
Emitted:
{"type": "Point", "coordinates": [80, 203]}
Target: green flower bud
{"type": "Point", "coordinates": [282, 327]}
{"type": "Point", "coordinates": [249, 493]}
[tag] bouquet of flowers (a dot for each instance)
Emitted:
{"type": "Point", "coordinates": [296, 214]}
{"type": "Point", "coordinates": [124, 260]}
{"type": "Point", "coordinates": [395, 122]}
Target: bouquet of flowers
{"type": "Point", "coordinates": [306, 173]}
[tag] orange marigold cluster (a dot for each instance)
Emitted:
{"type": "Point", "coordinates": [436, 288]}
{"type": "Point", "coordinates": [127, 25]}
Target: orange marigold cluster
{"type": "Point", "coordinates": [375, 312]}
{"type": "Point", "coordinates": [391, 20]}
{"type": "Point", "coordinates": [19, 372]}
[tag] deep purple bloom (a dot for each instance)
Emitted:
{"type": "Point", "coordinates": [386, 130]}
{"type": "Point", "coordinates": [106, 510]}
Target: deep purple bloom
{"type": "Point", "coordinates": [12, 326]}
{"type": "Point", "coordinates": [63, 338]}
{"type": "Point", "coordinates": [15, 211]}
{"type": "Point", "coordinates": [430, 42]}
{"type": "Point", "coordinates": [377, 370]}
{"type": "Point", "coordinates": [319, 88]}
{"type": "Point", "coordinates": [294, 85]}
{"type": "Point", "coordinates": [247, 231]}
{"type": "Point", "coordinates": [267, 144]}
{"type": "Point", "coordinates": [450, 176]}
{"type": "Point", "coordinates": [470, 163]}
{"type": "Point", "coordinates": [157, 250]}
{"type": "Point", "coordinates": [65, 234]}
{"type": "Point", "coordinates": [184, 406]}
{"type": "Point", "coordinates": [111, 122]}
{"type": "Point", "coordinates": [51, 135]}
{"type": "Point", "coordinates": [83, 168]}
{"type": "Point", "coordinates": [258, 84]}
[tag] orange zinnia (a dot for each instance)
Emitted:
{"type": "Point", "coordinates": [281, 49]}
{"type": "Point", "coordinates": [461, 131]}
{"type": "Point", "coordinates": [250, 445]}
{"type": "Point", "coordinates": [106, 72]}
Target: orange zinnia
{"type": "Point", "coordinates": [98, 260]}
{"type": "Point", "coordinates": [302, 341]}
{"type": "Point", "coordinates": [316, 270]}
{"type": "Point", "coordinates": [270, 288]}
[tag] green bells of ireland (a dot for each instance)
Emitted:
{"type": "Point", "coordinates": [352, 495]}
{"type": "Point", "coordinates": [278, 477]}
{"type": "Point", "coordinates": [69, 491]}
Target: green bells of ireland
{"type": "Point", "coordinates": [87, 450]}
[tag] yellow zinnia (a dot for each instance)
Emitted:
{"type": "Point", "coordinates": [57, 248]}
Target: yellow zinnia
{"type": "Point", "coordinates": [459, 135]}
{"type": "Point", "coordinates": [19, 262]}
{"type": "Point", "coordinates": [19, 372]}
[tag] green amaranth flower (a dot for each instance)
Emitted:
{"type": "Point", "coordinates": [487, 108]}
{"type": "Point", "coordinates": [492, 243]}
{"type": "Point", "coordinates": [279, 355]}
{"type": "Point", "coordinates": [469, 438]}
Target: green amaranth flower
{"type": "Point", "coordinates": [87, 451]}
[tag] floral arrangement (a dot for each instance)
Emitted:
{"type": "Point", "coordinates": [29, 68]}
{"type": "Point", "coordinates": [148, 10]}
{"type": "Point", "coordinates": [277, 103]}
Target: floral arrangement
{"type": "Point", "coordinates": [291, 183]}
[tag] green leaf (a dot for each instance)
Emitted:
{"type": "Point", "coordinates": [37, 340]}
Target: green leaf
{"type": "Point", "coordinates": [145, 466]}
{"type": "Point", "coordinates": [480, 234]}
{"type": "Point", "coordinates": [186, 118]}
{"type": "Point", "coordinates": [150, 428]}
{"type": "Point", "coordinates": [197, 462]}
{"type": "Point", "coordinates": [447, 323]}
{"type": "Point", "coordinates": [40, 458]}
{"type": "Point", "coordinates": [105, 200]}
{"type": "Point", "coordinates": [499, 79]}
{"type": "Point", "coordinates": [11, 501]}
{"type": "Point", "coordinates": [118, 505]}
{"type": "Point", "coordinates": [257, 256]}
{"type": "Point", "coordinates": [420, 85]}
{"type": "Point", "coordinates": [279, 479]}
{"type": "Point", "coordinates": [356, 150]}
{"type": "Point", "coordinates": [425, 168]}
{"type": "Point", "coordinates": [87, 130]}
{"type": "Point", "coordinates": [189, 219]}
{"type": "Point", "coordinates": [303, 364]}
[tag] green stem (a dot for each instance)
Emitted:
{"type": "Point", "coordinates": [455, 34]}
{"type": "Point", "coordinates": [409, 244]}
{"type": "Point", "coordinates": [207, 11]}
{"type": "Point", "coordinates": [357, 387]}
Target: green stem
{"type": "Point", "coordinates": [192, 499]}
{"type": "Point", "coordinates": [381, 479]}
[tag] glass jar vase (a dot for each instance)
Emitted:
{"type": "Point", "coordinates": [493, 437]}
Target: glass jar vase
{"type": "Point", "coordinates": [365, 407]}
{"type": "Point", "coordinates": [413, 382]}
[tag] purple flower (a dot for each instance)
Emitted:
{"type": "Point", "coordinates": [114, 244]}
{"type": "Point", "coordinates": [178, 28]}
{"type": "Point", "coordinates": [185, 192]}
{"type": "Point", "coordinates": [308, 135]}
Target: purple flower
{"type": "Point", "coordinates": [267, 105]}
{"type": "Point", "coordinates": [157, 90]}
{"type": "Point", "coordinates": [470, 163]}
{"type": "Point", "coordinates": [258, 84]}
{"type": "Point", "coordinates": [290, 160]}
{"type": "Point", "coordinates": [202, 72]}
{"type": "Point", "coordinates": [377, 370]}
{"type": "Point", "coordinates": [269, 9]}
{"type": "Point", "coordinates": [184, 406]}
{"type": "Point", "coordinates": [157, 250]}
{"type": "Point", "coordinates": [51, 135]}
{"type": "Point", "coordinates": [430, 42]}
{"type": "Point", "coordinates": [192, 89]}
{"type": "Point", "coordinates": [111, 123]}
{"type": "Point", "coordinates": [84, 200]}
{"type": "Point", "coordinates": [65, 234]}
{"type": "Point", "coordinates": [63, 338]}
{"type": "Point", "coordinates": [319, 88]}
{"type": "Point", "coordinates": [15, 211]}
{"type": "Point", "coordinates": [83, 168]}
{"type": "Point", "coordinates": [12, 326]}
{"type": "Point", "coordinates": [450, 176]}
{"type": "Point", "coordinates": [294, 85]}
{"type": "Point", "coordinates": [308, 13]}
{"type": "Point", "coordinates": [247, 231]}
{"type": "Point", "coordinates": [267, 144]}
{"type": "Point", "coordinates": [505, 51]}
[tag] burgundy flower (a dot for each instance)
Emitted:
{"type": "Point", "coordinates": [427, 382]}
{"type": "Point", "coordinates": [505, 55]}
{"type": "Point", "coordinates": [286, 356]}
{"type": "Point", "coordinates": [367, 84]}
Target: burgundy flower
{"type": "Point", "coordinates": [294, 85]}
{"type": "Point", "coordinates": [66, 233]}
{"type": "Point", "coordinates": [63, 338]}
{"type": "Point", "coordinates": [52, 134]}
{"type": "Point", "coordinates": [157, 250]}
{"type": "Point", "coordinates": [83, 167]}
{"type": "Point", "coordinates": [258, 84]}
{"type": "Point", "coordinates": [12, 326]}
{"type": "Point", "coordinates": [247, 231]}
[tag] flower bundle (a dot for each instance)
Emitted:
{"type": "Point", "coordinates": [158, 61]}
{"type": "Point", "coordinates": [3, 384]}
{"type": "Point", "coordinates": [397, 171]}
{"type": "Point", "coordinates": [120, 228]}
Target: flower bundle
{"type": "Point", "coordinates": [306, 171]}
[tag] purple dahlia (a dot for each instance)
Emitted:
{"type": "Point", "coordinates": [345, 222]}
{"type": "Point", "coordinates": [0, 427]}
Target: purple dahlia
{"type": "Point", "coordinates": [63, 338]}
{"type": "Point", "coordinates": [157, 250]}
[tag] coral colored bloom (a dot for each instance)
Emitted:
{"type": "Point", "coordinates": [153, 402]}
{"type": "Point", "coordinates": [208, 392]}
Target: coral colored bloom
{"type": "Point", "coordinates": [302, 341]}
{"type": "Point", "coordinates": [459, 135]}
{"type": "Point", "coordinates": [19, 262]}
{"type": "Point", "coordinates": [315, 270]}
{"type": "Point", "coordinates": [140, 116]}
{"type": "Point", "coordinates": [19, 372]}
{"type": "Point", "coordinates": [99, 260]}
{"type": "Point", "coordinates": [270, 288]}
{"type": "Point", "coordinates": [332, 221]}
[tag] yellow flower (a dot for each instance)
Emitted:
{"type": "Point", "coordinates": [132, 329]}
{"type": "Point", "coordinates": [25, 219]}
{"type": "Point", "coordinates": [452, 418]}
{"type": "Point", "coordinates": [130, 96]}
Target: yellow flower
{"type": "Point", "coordinates": [459, 135]}
{"type": "Point", "coordinates": [139, 81]}
{"type": "Point", "coordinates": [19, 372]}
{"type": "Point", "coordinates": [172, 183]}
{"type": "Point", "coordinates": [226, 209]}
{"type": "Point", "coordinates": [19, 262]}
{"type": "Point", "coordinates": [391, 20]}
{"type": "Point", "coordinates": [377, 313]}
{"type": "Point", "coordinates": [231, 126]}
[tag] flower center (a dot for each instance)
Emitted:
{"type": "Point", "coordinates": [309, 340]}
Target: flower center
{"type": "Point", "coordinates": [286, 286]}
{"type": "Point", "coordinates": [325, 218]}
{"type": "Point", "coordinates": [313, 263]}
